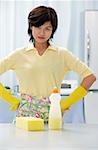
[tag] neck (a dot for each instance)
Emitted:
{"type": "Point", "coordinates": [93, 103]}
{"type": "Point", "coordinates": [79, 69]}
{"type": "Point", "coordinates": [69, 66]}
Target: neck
{"type": "Point", "coordinates": [41, 47]}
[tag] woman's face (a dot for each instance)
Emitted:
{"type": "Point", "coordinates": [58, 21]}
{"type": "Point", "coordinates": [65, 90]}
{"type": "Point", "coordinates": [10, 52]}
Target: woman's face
{"type": "Point", "coordinates": [42, 33]}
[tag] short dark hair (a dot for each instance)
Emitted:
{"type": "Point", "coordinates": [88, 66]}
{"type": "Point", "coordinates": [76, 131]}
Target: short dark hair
{"type": "Point", "coordinates": [38, 16]}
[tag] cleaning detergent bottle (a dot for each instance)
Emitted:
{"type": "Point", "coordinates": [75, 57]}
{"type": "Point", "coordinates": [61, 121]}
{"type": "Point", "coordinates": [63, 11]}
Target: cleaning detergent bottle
{"type": "Point", "coordinates": [55, 115]}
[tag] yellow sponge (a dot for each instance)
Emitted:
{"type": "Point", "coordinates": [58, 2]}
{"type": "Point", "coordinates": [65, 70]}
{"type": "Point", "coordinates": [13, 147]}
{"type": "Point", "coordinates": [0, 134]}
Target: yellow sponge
{"type": "Point", "coordinates": [30, 123]}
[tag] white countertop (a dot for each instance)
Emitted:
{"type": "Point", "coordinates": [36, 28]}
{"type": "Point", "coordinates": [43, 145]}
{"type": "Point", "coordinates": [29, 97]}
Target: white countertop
{"type": "Point", "coordinates": [71, 137]}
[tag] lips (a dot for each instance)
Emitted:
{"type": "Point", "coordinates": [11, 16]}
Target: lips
{"type": "Point", "coordinates": [40, 37]}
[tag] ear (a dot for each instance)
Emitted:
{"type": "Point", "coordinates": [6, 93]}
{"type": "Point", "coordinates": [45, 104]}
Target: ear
{"type": "Point", "coordinates": [31, 27]}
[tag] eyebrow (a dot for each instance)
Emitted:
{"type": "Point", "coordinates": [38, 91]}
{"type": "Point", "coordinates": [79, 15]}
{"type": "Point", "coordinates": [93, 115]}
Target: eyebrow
{"type": "Point", "coordinates": [49, 26]}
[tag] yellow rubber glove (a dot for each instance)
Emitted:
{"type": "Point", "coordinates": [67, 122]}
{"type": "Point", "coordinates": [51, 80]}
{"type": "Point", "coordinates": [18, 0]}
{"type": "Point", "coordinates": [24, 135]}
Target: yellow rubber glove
{"type": "Point", "coordinates": [9, 98]}
{"type": "Point", "coordinates": [75, 96]}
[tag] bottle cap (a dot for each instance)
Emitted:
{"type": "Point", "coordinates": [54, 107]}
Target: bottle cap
{"type": "Point", "coordinates": [55, 90]}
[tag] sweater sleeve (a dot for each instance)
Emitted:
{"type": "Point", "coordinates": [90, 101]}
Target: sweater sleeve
{"type": "Point", "coordinates": [75, 64]}
{"type": "Point", "coordinates": [9, 62]}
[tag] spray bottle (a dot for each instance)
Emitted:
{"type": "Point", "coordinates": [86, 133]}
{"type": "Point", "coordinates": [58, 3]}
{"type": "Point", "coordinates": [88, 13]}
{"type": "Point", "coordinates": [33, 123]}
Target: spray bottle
{"type": "Point", "coordinates": [55, 115]}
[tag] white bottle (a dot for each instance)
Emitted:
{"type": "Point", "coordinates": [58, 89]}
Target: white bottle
{"type": "Point", "coordinates": [55, 115]}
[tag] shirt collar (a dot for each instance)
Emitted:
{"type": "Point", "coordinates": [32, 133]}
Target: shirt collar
{"type": "Point", "coordinates": [31, 47]}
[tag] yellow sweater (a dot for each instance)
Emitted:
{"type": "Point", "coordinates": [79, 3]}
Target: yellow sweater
{"type": "Point", "coordinates": [37, 75]}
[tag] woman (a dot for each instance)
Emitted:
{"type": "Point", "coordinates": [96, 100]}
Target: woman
{"type": "Point", "coordinates": [41, 66]}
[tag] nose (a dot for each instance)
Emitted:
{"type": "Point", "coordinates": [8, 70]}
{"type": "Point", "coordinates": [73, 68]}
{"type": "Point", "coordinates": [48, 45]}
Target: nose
{"type": "Point", "coordinates": [42, 32]}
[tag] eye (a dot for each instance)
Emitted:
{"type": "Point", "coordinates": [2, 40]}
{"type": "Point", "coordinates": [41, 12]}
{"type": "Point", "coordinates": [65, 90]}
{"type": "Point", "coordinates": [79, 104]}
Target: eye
{"type": "Point", "coordinates": [48, 28]}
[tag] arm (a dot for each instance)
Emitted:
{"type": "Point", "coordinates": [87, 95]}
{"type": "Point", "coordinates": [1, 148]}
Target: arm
{"type": "Point", "coordinates": [8, 63]}
{"type": "Point", "coordinates": [78, 93]}
{"type": "Point", "coordinates": [88, 81]}
{"type": "Point", "coordinates": [9, 98]}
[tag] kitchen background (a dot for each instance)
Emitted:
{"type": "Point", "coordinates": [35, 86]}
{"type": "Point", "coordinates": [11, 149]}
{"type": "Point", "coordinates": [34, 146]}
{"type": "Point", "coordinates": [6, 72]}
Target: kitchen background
{"type": "Point", "coordinates": [73, 33]}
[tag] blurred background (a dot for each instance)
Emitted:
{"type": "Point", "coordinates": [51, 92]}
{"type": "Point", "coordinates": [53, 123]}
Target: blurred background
{"type": "Point", "coordinates": [77, 31]}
